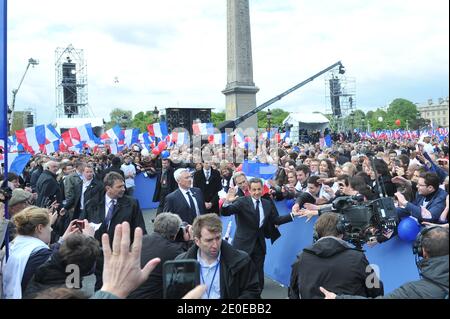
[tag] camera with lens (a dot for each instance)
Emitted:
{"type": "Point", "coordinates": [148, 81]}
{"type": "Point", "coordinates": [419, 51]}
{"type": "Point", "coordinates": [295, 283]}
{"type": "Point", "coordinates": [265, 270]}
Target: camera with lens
{"type": "Point", "coordinates": [362, 220]}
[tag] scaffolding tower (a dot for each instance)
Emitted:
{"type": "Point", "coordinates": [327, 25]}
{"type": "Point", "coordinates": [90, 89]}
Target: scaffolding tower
{"type": "Point", "coordinates": [340, 92]}
{"type": "Point", "coordinates": [71, 83]}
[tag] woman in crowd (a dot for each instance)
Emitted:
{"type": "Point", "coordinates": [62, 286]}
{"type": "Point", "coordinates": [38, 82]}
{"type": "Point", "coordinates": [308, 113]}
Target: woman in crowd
{"type": "Point", "coordinates": [29, 249]}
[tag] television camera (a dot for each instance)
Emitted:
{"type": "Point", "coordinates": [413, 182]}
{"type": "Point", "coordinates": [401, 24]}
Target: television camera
{"type": "Point", "coordinates": [361, 220]}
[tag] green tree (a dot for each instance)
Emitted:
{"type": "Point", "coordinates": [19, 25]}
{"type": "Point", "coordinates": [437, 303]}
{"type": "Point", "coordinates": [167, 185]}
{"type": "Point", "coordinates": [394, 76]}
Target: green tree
{"type": "Point", "coordinates": [217, 118]}
{"type": "Point", "coordinates": [278, 115]}
{"type": "Point", "coordinates": [141, 120]}
{"type": "Point", "coordinates": [374, 120]}
{"type": "Point", "coordinates": [121, 117]}
{"type": "Point", "coordinates": [403, 110]}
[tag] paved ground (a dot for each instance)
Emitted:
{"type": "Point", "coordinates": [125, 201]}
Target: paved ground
{"type": "Point", "coordinates": [272, 289]}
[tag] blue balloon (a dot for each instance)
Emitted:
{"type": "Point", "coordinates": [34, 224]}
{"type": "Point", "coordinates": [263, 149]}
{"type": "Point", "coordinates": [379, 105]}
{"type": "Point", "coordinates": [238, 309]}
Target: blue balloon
{"type": "Point", "coordinates": [165, 154]}
{"type": "Point", "coordinates": [408, 228]}
{"type": "Point", "coordinates": [290, 203]}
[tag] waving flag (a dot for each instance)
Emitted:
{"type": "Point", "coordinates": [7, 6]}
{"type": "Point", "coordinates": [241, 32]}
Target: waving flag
{"type": "Point", "coordinates": [158, 129]}
{"type": "Point", "coordinates": [51, 135]}
{"type": "Point", "coordinates": [131, 136]}
{"type": "Point", "coordinates": [115, 134]}
{"type": "Point", "coordinates": [52, 147]}
{"type": "Point", "coordinates": [31, 138]}
{"type": "Point", "coordinates": [203, 128]}
{"type": "Point", "coordinates": [17, 162]}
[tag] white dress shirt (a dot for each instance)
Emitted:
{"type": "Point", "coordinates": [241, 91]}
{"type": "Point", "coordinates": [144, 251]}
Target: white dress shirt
{"type": "Point", "coordinates": [184, 192]}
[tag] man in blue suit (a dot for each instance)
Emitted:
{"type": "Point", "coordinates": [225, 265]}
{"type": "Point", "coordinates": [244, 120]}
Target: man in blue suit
{"type": "Point", "coordinates": [429, 203]}
{"type": "Point", "coordinates": [187, 201]}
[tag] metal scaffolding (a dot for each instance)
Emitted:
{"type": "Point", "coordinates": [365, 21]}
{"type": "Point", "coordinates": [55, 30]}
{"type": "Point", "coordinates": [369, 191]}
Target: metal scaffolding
{"type": "Point", "coordinates": [340, 92]}
{"type": "Point", "coordinates": [71, 83]}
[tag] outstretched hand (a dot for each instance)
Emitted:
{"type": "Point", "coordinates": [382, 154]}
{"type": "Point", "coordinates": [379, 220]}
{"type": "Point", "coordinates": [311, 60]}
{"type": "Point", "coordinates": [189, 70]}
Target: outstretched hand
{"type": "Point", "coordinates": [122, 271]}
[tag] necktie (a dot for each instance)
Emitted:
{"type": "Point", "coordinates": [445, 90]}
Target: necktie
{"type": "Point", "coordinates": [112, 205]}
{"type": "Point", "coordinates": [191, 203]}
{"type": "Point", "coordinates": [257, 210]}
{"type": "Point", "coordinates": [207, 175]}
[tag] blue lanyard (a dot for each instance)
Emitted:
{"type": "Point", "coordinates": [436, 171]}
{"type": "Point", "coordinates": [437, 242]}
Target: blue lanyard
{"type": "Point", "coordinates": [212, 281]}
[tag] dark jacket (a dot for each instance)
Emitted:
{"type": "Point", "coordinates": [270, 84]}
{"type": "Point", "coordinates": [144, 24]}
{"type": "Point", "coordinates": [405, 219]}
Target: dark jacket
{"type": "Point", "coordinates": [171, 185]}
{"type": "Point", "coordinates": [176, 203]}
{"type": "Point", "coordinates": [35, 176]}
{"type": "Point", "coordinates": [91, 194]}
{"type": "Point", "coordinates": [209, 188]}
{"type": "Point", "coordinates": [435, 206]}
{"type": "Point", "coordinates": [51, 274]}
{"type": "Point", "coordinates": [72, 187]}
{"type": "Point", "coordinates": [109, 170]}
{"type": "Point", "coordinates": [126, 210]}
{"type": "Point", "coordinates": [432, 285]}
{"type": "Point", "coordinates": [247, 224]}
{"type": "Point", "coordinates": [155, 245]}
{"type": "Point", "coordinates": [238, 276]}
{"type": "Point", "coordinates": [48, 189]}
{"type": "Point", "coordinates": [333, 264]}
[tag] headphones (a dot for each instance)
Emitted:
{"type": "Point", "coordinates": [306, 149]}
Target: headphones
{"type": "Point", "coordinates": [417, 246]}
{"type": "Point", "coordinates": [341, 227]}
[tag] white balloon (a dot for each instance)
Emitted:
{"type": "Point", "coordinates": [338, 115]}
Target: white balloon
{"type": "Point", "coordinates": [380, 119]}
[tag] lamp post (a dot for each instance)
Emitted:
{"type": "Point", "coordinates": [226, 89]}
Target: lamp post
{"type": "Point", "coordinates": [156, 114]}
{"type": "Point", "coordinates": [32, 62]}
{"type": "Point", "coordinates": [269, 119]}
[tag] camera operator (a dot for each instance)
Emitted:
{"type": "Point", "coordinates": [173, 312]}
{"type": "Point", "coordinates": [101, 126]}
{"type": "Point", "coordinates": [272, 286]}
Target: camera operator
{"type": "Point", "coordinates": [332, 262]}
{"type": "Point", "coordinates": [431, 244]}
{"type": "Point", "coordinates": [169, 239]}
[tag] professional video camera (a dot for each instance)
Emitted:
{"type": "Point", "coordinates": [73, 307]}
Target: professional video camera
{"type": "Point", "coordinates": [362, 220]}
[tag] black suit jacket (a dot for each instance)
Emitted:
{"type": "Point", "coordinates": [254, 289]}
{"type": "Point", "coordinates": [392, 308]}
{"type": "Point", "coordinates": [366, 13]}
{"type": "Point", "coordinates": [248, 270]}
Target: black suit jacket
{"type": "Point", "coordinates": [211, 189]}
{"type": "Point", "coordinates": [247, 226]}
{"type": "Point", "coordinates": [170, 180]}
{"type": "Point", "coordinates": [176, 203]}
{"type": "Point", "coordinates": [126, 210]}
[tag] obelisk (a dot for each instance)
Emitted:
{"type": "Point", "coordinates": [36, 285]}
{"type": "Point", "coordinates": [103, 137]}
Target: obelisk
{"type": "Point", "coordinates": [240, 91]}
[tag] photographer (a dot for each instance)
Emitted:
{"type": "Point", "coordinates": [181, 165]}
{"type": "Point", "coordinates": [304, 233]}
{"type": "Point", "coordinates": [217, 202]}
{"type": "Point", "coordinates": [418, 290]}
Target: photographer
{"type": "Point", "coordinates": [170, 238]}
{"type": "Point", "coordinates": [432, 245]}
{"type": "Point", "coordinates": [332, 262]}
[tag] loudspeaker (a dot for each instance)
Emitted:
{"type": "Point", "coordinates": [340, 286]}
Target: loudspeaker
{"type": "Point", "coordinates": [335, 93]}
{"type": "Point", "coordinates": [69, 84]}
{"type": "Point", "coordinates": [177, 117]}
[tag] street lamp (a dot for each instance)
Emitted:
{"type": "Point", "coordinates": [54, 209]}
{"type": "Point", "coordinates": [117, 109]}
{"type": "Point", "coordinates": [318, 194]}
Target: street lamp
{"type": "Point", "coordinates": [156, 114]}
{"type": "Point", "coordinates": [269, 118]}
{"type": "Point", "coordinates": [32, 62]}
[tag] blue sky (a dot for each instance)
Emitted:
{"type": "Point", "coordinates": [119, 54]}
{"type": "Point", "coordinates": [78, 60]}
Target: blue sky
{"type": "Point", "coordinates": [173, 53]}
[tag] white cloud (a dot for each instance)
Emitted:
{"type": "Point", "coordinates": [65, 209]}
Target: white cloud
{"type": "Point", "coordinates": [170, 53]}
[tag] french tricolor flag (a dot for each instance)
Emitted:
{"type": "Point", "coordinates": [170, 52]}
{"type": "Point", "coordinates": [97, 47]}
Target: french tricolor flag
{"type": "Point", "coordinates": [131, 136]}
{"type": "Point", "coordinates": [31, 138]}
{"type": "Point", "coordinates": [158, 129]}
{"type": "Point", "coordinates": [115, 134]}
{"type": "Point", "coordinates": [179, 138]}
{"type": "Point", "coordinates": [203, 128]}
{"type": "Point", "coordinates": [51, 135]}
{"type": "Point", "coordinates": [86, 133]}
{"type": "Point", "coordinates": [52, 147]}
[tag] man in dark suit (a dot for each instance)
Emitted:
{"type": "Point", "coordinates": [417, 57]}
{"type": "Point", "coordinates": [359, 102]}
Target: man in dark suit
{"type": "Point", "coordinates": [240, 180]}
{"type": "Point", "coordinates": [165, 184]}
{"type": "Point", "coordinates": [209, 181]}
{"type": "Point", "coordinates": [113, 207]}
{"type": "Point", "coordinates": [109, 209]}
{"type": "Point", "coordinates": [187, 201]}
{"type": "Point", "coordinates": [256, 219]}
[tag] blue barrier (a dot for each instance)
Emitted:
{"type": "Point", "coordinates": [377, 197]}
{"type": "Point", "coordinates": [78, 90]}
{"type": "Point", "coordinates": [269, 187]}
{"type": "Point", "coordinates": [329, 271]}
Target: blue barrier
{"type": "Point", "coordinates": [144, 190]}
{"type": "Point", "coordinates": [393, 258]}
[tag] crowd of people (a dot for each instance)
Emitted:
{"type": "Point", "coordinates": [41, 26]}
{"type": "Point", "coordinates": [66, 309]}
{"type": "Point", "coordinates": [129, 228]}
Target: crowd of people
{"type": "Point", "coordinates": [69, 209]}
